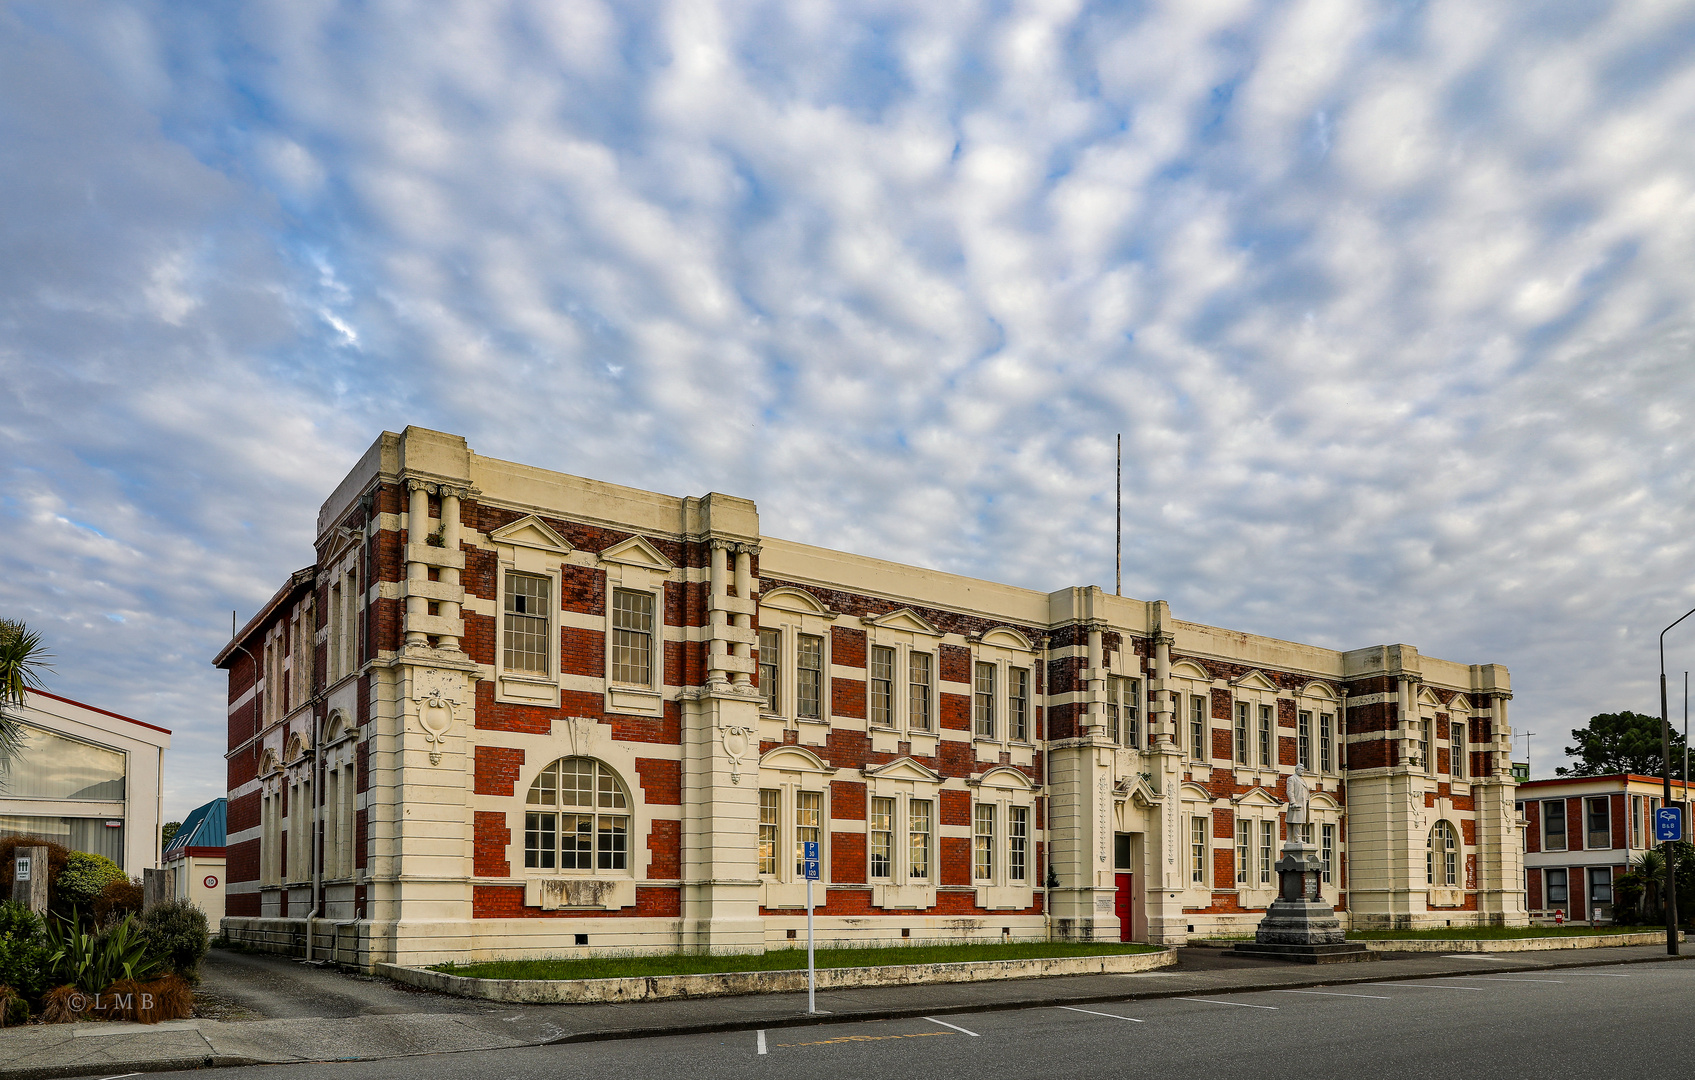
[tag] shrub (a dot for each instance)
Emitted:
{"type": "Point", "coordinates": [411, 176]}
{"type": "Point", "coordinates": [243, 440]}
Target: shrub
{"type": "Point", "coordinates": [176, 935]}
{"type": "Point", "coordinates": [23, 950]}
{"type": "Point", "coordinates": [148, 1002]}
{"type": "Point", "coordinates": [85, 877]}
{"type": "Point", "coordinates": [91, 962]}
{"type": "Point", "coordinates": [14, 1009]}
{"type": "Point", "coordinates": [116, 900]}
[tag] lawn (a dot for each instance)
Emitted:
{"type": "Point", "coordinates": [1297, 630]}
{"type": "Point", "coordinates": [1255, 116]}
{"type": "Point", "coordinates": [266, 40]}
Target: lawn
{"type": "Point", "coordinates": [1472, 933]}
{"type": "Point", "coordinates": [644, 964]}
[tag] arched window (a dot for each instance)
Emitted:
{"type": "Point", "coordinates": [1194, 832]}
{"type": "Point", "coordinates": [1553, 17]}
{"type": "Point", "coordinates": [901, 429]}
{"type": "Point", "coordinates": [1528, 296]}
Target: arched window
{"type": "Point", "coordinates": [1442, 856]}
{"type": "Point", "coordinates": [577, 817]}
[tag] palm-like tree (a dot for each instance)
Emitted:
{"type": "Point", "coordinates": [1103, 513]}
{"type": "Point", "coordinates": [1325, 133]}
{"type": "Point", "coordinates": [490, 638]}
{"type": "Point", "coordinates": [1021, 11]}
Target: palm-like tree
{"type": "Point", "coordinates": [22, 660]}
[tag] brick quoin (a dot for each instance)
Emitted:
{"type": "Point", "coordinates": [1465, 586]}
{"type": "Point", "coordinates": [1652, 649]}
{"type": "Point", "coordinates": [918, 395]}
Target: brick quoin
{"type": "Point", "coordinates": [847, 647]}
{"type": "Point", "coordinates": [665, 847]}
{"type": "Point", "coordinates": [956, 808]}
{"type": "Point", "coordinates": [507, 902]}
{"type": "Point", "coordinates": [847, 803]}
{"type": "Point", "coordinates": [491, 837]}
{"type": "Point", "coordinates": [661, 782]}
{"type": "Point", "coordinates": [497, 769]}
{"type": "Point", "coordinates": [847, 857]}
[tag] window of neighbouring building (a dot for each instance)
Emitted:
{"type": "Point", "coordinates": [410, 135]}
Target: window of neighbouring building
{"type": "Point", "coordinates": [1598, 821]}
{"type": "Point", "coordinates": [1553, 825]}
{"type": "Point", "coordinates": [1600, 885]}
{"type": "Point", "coordinates": [54, 766]}
{"type": "Point", "coordinates": [1556, 887]}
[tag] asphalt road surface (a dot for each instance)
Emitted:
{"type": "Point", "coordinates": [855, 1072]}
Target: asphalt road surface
{"type": "Point", "coordinates": [1635, 1020]}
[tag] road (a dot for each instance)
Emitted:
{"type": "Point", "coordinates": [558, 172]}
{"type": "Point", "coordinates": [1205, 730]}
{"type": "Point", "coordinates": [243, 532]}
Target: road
{"type": "Point", "coordinates": [1635, 1020]}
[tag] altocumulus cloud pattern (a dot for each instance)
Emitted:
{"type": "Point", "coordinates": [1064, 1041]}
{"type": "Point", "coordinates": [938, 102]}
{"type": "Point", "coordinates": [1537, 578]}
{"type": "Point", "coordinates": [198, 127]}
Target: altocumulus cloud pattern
{"type": "Point", "coordinates": [1391, 301]}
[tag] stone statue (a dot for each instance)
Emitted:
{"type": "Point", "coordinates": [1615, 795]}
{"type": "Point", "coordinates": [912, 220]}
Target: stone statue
{"type": "Point", "coordinates": [1300, 793]}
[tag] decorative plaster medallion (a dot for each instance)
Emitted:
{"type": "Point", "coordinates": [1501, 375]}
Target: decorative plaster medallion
{"type": "Point", "coordinates": [738, 739]}
{"type": "Point", "coordinates": [438, 694]}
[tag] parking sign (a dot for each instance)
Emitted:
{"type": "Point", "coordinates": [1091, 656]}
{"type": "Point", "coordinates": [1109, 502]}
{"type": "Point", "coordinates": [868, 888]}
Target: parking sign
{"type": "Point", "coordinates": [1668, 823]}
{"type": "Point", "coordinates": [810, 859]}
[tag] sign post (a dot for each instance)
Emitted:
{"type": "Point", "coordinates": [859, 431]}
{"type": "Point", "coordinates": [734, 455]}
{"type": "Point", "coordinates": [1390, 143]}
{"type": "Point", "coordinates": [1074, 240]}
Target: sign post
{"type": "Point", "coordinates": [29, 878]}
{"type": "Point", "coordinates": [810, 861]}
{"type": "Point", "coordinates": [1668, 823]}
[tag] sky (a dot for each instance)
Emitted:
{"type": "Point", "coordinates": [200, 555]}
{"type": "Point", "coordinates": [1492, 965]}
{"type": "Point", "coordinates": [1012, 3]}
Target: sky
{"type": "Point", "coordinates": [1392, 302]}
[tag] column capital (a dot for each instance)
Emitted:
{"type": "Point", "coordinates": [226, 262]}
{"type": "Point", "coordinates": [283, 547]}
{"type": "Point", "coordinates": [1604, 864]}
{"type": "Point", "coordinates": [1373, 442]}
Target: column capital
{"type": "Point", "coordinates": [414, 483]}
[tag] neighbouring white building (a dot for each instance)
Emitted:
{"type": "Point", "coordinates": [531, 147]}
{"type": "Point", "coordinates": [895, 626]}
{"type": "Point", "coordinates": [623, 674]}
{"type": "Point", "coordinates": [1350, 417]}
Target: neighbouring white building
{"type": "Point", "coordinates": [194, 858]}
{"type": "Point", "coordinates": [87, 778]}
{"type": "Point", "coordinates": [508, 711]}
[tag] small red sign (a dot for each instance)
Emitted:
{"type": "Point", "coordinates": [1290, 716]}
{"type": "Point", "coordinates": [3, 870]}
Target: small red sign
{"type": "Point", "coordinates": [211, 881]}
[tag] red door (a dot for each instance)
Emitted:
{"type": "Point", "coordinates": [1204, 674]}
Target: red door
{"type": "Point", "coordinates": [1121, 905]}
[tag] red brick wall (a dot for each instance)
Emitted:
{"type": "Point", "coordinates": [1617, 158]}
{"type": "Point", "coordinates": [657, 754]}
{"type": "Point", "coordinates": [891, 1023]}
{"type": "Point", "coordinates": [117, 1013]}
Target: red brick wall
{"type": "Point", "coordinates": [497, 769]}
{"type": "Point", "coordinates": [241, 861]}
{"type": "Point", "coordinates": [1621, 821]}
{"type": "Point", "coordinates": [665, 845]}
{"type": "Point", "coordinates": [847, 697]}
{"type": "Point", "coordinates": [582, 652]}
{"type": "Point", "coordinates": [956, 860]}
{"type": "Point", "coordinates": [954, 664]}
{"type": "Point", "coordinates": [1533, 830]}
{"type": "Point", "coordinates": [361, 837]}
{"type": "Point", "coordinates": [582, 589]}
{"type": "Point", "coordinates": [243, 905]}
{"type": "Point", "coordinates": [661, 782]}
{"type": "Point", "coordinates": [243, 812]}
{"type": "Point", "coordinates": [847, 858]}
{"type": "Point", "coordinates": [1575, 839]}
{"type": "Point", "coordinates": [1533, 890]}
{"type": "Point", "coordinates": [956, 808]}
{"type": "Point", "coordinates": [847, 647]}
{"type": "Point", "coordinates": [492, 836]}
{"type": "Point", "coordinates": [507, 902]}
{"type": "Point", "coordinates": [956, 712]}
{"type": "Point", "coordinates": [847, 803]}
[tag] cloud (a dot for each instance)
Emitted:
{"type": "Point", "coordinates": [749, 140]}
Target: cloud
{"type": "Point", "coordinates": [1390, 302]}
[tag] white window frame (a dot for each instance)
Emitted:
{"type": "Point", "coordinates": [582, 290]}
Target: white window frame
{"type": "Point", "coordinates": [1303, 738]}
{"type": "Point", "coordinates": [1200, 726]}
{"type": "Point", "coordinates": [1200, 851]}
{"type": "Point", "coordinates": [656, 637]}
{"type": "Point", "coordinates": [1242, 734]}
{"type": "Point", "coordinates": [1266, 735]}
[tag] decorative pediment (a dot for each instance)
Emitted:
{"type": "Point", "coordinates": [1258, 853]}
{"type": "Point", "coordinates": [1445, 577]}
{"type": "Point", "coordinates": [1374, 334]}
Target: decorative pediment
{"type": "Point", "coordinates": [792, 758]}
{"type": "Point", "coordinates": [269, 763]}
{"type": "Point", "coordinates": [296, 748]}
{"type": "Point", "coordinates": [904, 768]}
{"type": "Point", "coordinates": [1136, 788]}
{"type": "Point", "coordinates": [638, 551]}
{"type": "Point", "coordinates": [1007, 638]}
{"type": "Point", "coordinates": [789, 598]}
{"type": "Point", "coordinates": [531, 532]}
{"type": "Point", "coordinates": [1188, 669]}
{"type": "Point", "coordinates": [1002, 776]}
{"type": "Point", "coordinates": [1253, 680]}
{"type": "Point", "coordinates": [1459, 703]}
{"type": "Point", "coordinates": [1427, 696]}
{"type": "Point", "coordinates": [337, 726]}
{"type": "Point", "coordinates": [1323, 801]}
{"type": "Point", "coordinates": [1319, 690]}
{"type": "Point", "coordinates": [1256, 797]}
{"type": "Point", "coordinates": [1190, 791]}
{"type": "Point", "coordinates": [904, 619]}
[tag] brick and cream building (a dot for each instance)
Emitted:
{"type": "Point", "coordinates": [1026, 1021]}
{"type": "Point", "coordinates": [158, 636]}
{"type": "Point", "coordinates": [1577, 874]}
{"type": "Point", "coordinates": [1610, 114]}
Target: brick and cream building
{"type": "Point", "coordinates": [509, 711]}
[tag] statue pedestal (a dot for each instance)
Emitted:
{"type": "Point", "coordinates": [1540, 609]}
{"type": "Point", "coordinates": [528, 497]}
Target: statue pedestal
{"type": "Point", "coordinates": [1299, 925]}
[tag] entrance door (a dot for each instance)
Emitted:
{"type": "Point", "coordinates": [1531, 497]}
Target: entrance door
{"type": "Point", "coordinates": [1121, 905]}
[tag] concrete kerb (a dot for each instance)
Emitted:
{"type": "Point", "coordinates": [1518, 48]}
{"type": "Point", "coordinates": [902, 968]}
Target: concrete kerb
{"type": "Point", "coordinates": [788, 980]}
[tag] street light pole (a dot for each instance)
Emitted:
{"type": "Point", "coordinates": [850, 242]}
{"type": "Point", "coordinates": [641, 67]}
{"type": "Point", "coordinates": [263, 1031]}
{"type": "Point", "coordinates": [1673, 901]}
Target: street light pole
{"type": "Point", "coordinates": [1665, 768]}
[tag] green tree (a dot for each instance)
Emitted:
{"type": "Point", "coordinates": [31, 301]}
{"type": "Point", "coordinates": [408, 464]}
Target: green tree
{"type": "Point", "coordinates": [1620, 742]}
{"type": "Point", "coordinates": [22, 660]}
{"type": "Point", "coordinates": [167, 831]}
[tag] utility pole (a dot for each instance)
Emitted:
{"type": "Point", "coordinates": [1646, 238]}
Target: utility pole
{"type": "Point", "coordinates": [1665, 768]}
{"type": "Point", "coordinates": [1118, 530]}
{"type": "Point", "coordinates": [1525, 735]}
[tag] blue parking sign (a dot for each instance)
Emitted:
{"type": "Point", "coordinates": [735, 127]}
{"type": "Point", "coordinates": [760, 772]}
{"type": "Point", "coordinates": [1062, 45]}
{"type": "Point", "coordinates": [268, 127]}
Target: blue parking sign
{"type": "Point", "coordinates": [1668, 823]}
{"type": "Point", "coordinates": [809, 857]}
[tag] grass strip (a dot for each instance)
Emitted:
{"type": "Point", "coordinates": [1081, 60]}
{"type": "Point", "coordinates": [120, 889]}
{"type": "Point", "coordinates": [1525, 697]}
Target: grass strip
{"type": "Point", "coordinates": [638, 965]}
{"type": "Point", "coordinates": [1497, 933]}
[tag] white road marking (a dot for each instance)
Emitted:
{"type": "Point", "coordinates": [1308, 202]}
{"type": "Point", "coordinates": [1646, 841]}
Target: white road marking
{"type": "Point", "coordinates": [762, 1040]}
{"type": "Point", "coordinates": [956, 1027]}
{"type": "Point", "coordinates": [1149, 974]}
{"type": "Point", "coordinates": [1493, 978]}
{"type": "Point", "coordinates": [1329, 993]}
{"type": "Point", "coordinates": [1428, 986]}
{"type": "Point", "coordinates": [1474, 956]}
{"type": "Point", "coordinates": [119, 1076]}
{"type": "Point", "coordinates": [1092, 1012]}
{"type": "Point", "coordinates": [1603, 974]}
{"type": "Point", "coordinates": [1238, 1004]}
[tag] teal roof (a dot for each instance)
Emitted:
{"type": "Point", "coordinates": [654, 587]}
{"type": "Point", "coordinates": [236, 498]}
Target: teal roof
{"type": "Point", "coordinates": [204, 827]}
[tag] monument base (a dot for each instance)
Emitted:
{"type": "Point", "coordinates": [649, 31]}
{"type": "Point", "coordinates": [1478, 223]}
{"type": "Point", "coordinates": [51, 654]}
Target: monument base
{"type": "Point", "coordinates": [1299, 925]}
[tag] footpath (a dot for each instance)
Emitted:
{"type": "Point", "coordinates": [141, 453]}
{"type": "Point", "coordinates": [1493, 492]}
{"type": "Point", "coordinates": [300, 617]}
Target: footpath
{"type": "Point", "coordinates": [281, 1011]}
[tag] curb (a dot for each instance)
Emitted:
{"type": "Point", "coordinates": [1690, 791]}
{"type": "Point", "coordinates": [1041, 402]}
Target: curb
{"type": "Point", "coordinates": [184, 1064]}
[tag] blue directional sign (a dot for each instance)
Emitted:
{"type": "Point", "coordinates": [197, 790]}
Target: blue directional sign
{"type": "Point", "coordinates": [1668, 823]}
{"type": "Point", "coordinates": [810, 859]}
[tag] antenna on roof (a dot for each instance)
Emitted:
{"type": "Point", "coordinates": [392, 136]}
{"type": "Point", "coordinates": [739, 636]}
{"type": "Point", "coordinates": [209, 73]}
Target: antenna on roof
{"type": "Point", "coordinates": [232, 624]}
{"type": "Point", "coordinates": [1118, 537]}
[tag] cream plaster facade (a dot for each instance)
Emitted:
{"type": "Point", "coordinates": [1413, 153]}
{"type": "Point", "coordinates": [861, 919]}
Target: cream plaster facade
{"type": "Point", "coordinates": [977, 761]}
